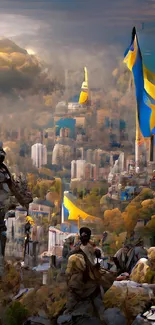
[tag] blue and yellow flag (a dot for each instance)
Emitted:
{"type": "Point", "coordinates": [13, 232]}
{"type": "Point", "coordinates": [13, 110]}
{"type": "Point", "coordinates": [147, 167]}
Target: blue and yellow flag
{"type": "Point", "coordinates": [83, 99]}
{"type": "Point", "coordinates": [72, 212]}
{"type": "Point", "coordinates": [144, 86]}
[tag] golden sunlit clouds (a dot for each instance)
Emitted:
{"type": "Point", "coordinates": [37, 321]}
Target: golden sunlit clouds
{"type": "Point", "coordinates": [30, 52]}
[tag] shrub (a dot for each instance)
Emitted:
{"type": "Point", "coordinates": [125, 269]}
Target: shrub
{"type": "Point", "coordinates": [15, 314]}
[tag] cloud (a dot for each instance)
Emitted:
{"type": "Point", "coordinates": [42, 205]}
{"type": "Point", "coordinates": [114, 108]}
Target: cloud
{"type": "Point", "coordinates": [73, 21]}
{"type": "Point", "coordinates": [73, 33]}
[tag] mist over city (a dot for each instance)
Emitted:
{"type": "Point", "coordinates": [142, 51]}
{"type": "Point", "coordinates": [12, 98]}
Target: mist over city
{"type": "Point", "coordinates": [77, 162]}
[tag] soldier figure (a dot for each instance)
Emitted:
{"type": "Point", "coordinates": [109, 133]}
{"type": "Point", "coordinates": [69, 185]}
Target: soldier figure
{"type": "Point", "coordinates": [8, 186]}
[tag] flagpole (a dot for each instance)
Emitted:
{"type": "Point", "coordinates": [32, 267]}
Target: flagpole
{"type": "Point", "coordinates": [152, 148]}
{"type": "Point", "coordinates": [66, 86]}
{"type": "Point", "coordinates": [78, 222]}
{"type": "Point", "coordinates": [136, 143]}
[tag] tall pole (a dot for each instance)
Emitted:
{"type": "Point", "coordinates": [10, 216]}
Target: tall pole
{"type": "Point", "coordinates": [137, 143]}
{"type": "Point", "coordinates": [66, 86]}
{"type": "Point", "coordinates": [78, 222]}
{"type": "Point", "coordinates": [152, 148]}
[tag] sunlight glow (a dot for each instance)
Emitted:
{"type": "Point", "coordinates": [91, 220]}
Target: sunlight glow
{"type": "Point", "coordinates": [30, 52]}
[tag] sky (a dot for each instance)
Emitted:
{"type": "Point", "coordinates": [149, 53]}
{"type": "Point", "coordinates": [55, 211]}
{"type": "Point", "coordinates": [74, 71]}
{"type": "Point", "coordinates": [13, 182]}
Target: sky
{"type": "Point", "coordinates": [78, 31]}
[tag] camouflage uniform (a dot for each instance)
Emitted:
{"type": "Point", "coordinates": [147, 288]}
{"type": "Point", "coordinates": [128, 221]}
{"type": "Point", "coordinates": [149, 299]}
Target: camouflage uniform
{"type": "Point", "coordinates": [8, 186]}
{"type": "Point", "coordinates": [85, 280]}
{"type": "Point", "coordinates": [144, 271]}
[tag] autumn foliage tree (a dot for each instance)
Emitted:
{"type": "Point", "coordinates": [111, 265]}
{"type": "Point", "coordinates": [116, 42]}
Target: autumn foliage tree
{"type": "Point", "coordinates": [46, 173]}
{"type": "Point", "coordinates": [32, 180]}
{"type": "Point", "coordinates": [90, 203]}
{"type": "Point", "coordinates": [130, 216]}
{"type": "Point", "coordinates": [40, 187]}
{"type": "Point", "coordinates": [142, 207]}
{"type": "Point", "coordinates": [113, 220]}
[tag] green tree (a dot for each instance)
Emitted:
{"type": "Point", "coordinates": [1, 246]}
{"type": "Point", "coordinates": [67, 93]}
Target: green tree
{"type": "Point", "coordinates": [90, 203]}
{"type": "Point", "coordinates": [36, 191]}
{"type": "Point", "coordinates": [32, 180]}
{"type": "Point", "coordinates": [103, 190]}
{"type": "Point", "coordinates": [15, 314]}
{"type": "Point", "coordinates": [44, 187]}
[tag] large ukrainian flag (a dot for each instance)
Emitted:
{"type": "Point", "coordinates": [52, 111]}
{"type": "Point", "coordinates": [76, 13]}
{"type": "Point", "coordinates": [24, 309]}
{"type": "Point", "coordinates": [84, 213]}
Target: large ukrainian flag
{"type": "Point", "coordinates": [72, 212]}
{"type": "Point", "coordinates": [144, 86]}
{"type": "Point", "coordinates": [83, 99]}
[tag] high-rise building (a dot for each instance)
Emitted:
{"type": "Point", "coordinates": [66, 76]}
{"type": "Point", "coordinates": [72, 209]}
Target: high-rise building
{"type": "Point", "coordinates": [88, 171]}
{"type": "Point", "coordinates": [95, 172]}
{"type": "Point", "coordinates": [80, 153]}
{"type": "Point", "coordinates": [61, 154]}
{"type": "Point", "coordinates": [80, 164]}
{"type": "Point", "coordinates": [82, 170]}
{"type": "Point", "coordinates": [89, 156]}
{"type": "Point", "coordinates": [73, 169]}
{"type": "Point", "coordinates": [39, 155]}
{"type": "Point", "coordinates": [62, 133]}
{"type": "Point", "coordinates": [121, 161]}
{"type": "Point", "coordinates": [97, 156]}
{"type": "Point", "coordinates": [78, 169]}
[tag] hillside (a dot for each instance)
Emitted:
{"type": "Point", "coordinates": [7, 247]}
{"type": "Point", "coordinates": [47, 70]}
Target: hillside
{"type": "Point", "coordinates": [19, 70]}
{"type": "Point", "coordinates": [14, 57]}
{"type": "Point", "coordinates": [8, 46]}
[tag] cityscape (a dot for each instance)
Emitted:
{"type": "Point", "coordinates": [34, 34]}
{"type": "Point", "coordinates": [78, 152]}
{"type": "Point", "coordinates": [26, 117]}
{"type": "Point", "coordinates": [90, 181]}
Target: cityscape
{"type": "Point", "coordinates": [77, 163]}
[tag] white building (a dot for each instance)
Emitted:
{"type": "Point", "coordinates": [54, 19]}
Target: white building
{"type": "Point", "coordinates": [74, 107]}
{"type": "Point", "coordinates": [121, 162]}
{"type": "Point", "coordinates": [56, 240]}
{"type": "Point", "coordinates": [61, 154]}
{"type": "Point", "coordinates": [39, 155]}
{"type": "Point", "coordinates": [73, 169]}
{"type": "Point", "coordinates": [78, 169]}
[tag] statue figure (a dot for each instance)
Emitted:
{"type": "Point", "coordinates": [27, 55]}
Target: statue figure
{"type": "Point", "coordinates": [10, 186]}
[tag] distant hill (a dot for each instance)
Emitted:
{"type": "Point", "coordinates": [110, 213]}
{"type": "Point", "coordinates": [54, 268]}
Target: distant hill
{"type": "Point", "coordinates": [8, 46]}
{"type": "Point", "coordinates": [18, 69]}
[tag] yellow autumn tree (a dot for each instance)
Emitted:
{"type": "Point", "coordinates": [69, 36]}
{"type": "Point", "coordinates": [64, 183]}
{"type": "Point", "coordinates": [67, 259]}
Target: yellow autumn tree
{"type": "Point", "coordinates": [113, 220]}
{"type": "Point", "coordinates": [43, 186]}
{"type": "Point", "coordinates": [46, 172]}
{"type": "Point", "coordinates": [141, 207]}
{"type": "Point", "coordinates": [130, 217]}
{"type": "Point", "coordinates": [32, 180]}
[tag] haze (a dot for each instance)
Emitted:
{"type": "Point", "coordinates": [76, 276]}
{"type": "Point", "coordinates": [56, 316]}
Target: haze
{"type": "Point", "coordinates": [91, 27]}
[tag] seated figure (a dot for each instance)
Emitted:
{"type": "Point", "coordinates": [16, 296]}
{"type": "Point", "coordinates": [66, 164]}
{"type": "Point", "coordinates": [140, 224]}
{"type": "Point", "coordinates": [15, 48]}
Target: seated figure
{"type": "Point", "coordinates": [86, 280]}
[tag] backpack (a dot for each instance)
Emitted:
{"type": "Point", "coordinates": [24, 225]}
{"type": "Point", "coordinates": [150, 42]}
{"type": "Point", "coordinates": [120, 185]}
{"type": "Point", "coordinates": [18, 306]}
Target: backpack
{"type": "Point", "coordinates": [100, 275]}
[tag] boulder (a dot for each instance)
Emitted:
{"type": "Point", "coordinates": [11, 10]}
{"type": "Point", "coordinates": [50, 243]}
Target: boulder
{"type": "Point", "coordinates": [113, 316]}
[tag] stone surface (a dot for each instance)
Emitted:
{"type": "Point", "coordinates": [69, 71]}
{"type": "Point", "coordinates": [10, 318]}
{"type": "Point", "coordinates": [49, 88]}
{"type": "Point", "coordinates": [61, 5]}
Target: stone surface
{"type": "Point", "coordinates": [113, 316]}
